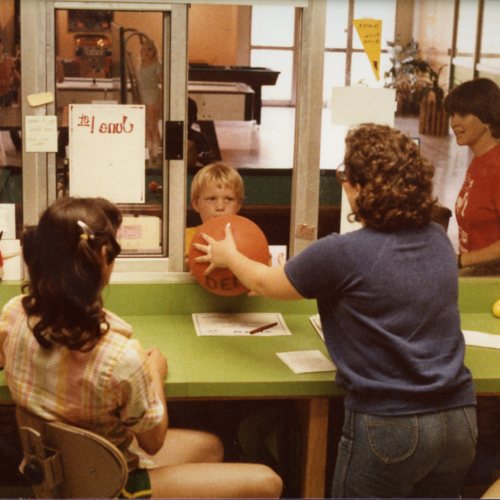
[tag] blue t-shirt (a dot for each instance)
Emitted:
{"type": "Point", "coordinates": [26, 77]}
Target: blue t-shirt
{"type": "Point", "coordinates": [388, 307]}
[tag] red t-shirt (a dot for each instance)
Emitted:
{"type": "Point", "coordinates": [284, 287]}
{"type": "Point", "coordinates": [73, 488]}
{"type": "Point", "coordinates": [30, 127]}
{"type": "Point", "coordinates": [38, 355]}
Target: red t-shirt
{"type": "Point", "coordinates": [478, 204]}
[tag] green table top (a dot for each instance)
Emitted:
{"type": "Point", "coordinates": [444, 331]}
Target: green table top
{"type": "Point", "coordinates": [240, 367]}
{"type": "Point", "coordinates": [247, 367]}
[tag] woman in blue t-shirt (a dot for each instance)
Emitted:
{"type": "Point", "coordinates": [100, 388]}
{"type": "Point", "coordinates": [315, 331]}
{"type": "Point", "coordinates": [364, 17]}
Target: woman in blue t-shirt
{"type": "Point", "coordinates": [387, 297]}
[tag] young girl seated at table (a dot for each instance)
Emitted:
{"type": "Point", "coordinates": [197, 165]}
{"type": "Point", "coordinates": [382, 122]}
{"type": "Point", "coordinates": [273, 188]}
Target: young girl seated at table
{"type": "Point", "coordinates": [68, 359]}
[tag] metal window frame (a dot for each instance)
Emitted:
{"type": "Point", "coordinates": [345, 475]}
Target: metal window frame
{"type": "Point", "coordinates": [38, 69]}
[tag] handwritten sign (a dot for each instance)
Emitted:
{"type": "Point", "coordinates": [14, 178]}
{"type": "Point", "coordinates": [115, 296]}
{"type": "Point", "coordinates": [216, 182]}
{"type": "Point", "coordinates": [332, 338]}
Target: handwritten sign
{"type": "Point", "coordinates": [369, 32]}
{"type": "Point", "coordinates": [107, 151]}
{"type": "Point", "coordinates": [41, 134]}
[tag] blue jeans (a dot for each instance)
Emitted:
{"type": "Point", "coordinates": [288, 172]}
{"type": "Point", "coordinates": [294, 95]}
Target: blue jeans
{"type": "Point", "coordinates": [424, 455]}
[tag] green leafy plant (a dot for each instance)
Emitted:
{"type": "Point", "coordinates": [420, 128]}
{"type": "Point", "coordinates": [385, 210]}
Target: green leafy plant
{"type": "Point", "coordinates": [412, 77]}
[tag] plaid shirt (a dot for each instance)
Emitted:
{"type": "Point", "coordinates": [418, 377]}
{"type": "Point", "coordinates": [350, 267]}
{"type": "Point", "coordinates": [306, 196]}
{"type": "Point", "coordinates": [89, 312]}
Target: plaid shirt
{"type": "Point", "coordinates": [107, 390]}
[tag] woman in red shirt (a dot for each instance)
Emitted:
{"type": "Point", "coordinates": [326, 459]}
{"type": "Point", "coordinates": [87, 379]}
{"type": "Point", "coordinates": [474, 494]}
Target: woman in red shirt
{"type": "Point", "coordinates": [474, 108]}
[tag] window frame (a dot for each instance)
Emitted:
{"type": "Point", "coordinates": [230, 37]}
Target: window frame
{"type": "Point", "coordinates": [39, 172]}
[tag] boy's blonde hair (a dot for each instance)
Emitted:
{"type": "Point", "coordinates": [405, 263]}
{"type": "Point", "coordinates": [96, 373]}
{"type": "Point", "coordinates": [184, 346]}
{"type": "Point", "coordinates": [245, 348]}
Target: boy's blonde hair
{"type": "Point", "coordinates": [222, 175]}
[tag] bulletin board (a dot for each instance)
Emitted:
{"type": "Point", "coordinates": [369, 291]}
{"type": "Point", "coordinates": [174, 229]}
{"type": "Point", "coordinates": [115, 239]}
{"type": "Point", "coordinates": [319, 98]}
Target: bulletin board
{"type": "Point", "coordinates": [107, 151]}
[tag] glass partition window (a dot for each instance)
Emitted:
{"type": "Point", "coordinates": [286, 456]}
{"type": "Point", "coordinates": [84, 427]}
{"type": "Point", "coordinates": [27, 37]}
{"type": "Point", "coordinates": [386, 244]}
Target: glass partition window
{"type": "Point", "coordinates": [490, 49]}
{"type": "Point", "coordinates": [273, 47]}
{"type": "Point", "coordinates": [10, 130]}
{"type": "Point", "coordinates": [109, 102]}
{"type": "Point", "coordinates": [346, 63]}
{"type": "Point", "coordinates": [267, 32]}
{"type": "Point", "coordinates": [337, 21]}
{"type": "Point", "coordinates": [279, 60]}
{"type": "Point", "coordinates": [345, 60]}
{"type": "Point", "coordinates": [332, 76]}
{"type": "Point", "coordinates": [466, 32]}
{"type": "Point", "coordinates": [377, 9]}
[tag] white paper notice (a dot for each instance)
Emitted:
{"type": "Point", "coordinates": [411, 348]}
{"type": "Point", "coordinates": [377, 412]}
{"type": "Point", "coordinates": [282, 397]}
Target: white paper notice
{"type": "Point", "coordinates": [237, 324]}
{"type": "Point", "coordinates": [355, 105]}
{"type": "Point", "coordinates": [140, 234]}
{"type": "Point", "coordinates": [277, 252]}
{"type": "Point", "coordinates": [481, 339]}
{"type": "Point", "coordinates": [41, 134]}
{"type": "Point", "coordinates": [375, 105]}
{"type": "Point", "coordinates": [106, 151]}
{"type": "Point", "coordinates": [307, 361]}
{"type": "Point", "coordinates": [8, 220]}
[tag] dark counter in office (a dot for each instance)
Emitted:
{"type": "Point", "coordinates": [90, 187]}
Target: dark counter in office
{"type": "Point", "coordinates": [255, 77]}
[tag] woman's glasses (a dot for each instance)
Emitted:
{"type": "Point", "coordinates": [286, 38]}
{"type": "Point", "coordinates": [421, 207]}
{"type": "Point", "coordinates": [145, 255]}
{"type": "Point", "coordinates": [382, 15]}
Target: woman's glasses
{"type": "Point", "coordinates": [341, 174]}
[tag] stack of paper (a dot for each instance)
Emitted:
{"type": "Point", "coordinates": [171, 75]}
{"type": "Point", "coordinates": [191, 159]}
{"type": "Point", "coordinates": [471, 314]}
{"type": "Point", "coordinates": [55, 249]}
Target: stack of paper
{"type": "Point", "coordinates": [307, 361]}
{"type": "Point", "coordinates": [480, 339]}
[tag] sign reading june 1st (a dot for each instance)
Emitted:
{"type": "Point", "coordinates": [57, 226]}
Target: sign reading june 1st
{"type": "Point", "coordinates": [106, 151]}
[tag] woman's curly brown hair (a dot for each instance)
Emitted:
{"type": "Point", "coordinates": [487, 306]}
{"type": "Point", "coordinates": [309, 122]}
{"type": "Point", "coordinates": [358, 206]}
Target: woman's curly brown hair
{"type": "Point", "coordinates": [64, 258]}
{"type": "Point", "coordinates": [395, 181]}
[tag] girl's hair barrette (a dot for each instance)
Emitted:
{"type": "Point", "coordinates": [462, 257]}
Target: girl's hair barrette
{"type": "Point", "coordinates": [87, 233]}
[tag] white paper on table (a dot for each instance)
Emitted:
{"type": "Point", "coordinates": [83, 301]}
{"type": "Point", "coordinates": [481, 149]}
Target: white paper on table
{"type": "Point", "coordinates": [307, 361]}
{"type": "Point", "coordinates": [481, 339]}
{"type": "Point", "coordinates": [316, 322]}
{"type": "Point", "coordinates": [238, 324]}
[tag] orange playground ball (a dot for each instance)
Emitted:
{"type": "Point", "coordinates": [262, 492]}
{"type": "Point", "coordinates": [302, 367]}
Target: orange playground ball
{"type": "Point", "coordinates": [250, 241]}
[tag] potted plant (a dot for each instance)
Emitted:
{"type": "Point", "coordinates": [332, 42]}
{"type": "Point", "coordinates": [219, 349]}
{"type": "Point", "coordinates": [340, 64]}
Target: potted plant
{"type": "Point", "coordinates": [418, 91]}
{"type": "Point", "coordinates": [433, 119]}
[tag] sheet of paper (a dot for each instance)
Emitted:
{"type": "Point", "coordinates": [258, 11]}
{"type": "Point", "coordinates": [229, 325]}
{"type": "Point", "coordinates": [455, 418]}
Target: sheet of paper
{"type": "Point", "coordinates": [481, 339]}
{"type": "Point", "coordinates": [106, 151]}
{"type": "Point", "coordinates": [316, 322]}
{"type": "Point", "coordinates": [276, 251]}
{"type": "Point", "coordinates": [307, 361]}
{"type": "Point", "coordinates": [239, 324]}
{"type": "Point", "coordinates": [41, 134]}
{"type": "Point", "coordinates": [376, 105]}
{"type": "Point", "coordinates": [140, 234]}
{"type": "Point", "coordinates": [40, 99]}
{"type": "Point", "coordinates": [12, 259]}
{"type": "Point", "coordinates": [8, 220]}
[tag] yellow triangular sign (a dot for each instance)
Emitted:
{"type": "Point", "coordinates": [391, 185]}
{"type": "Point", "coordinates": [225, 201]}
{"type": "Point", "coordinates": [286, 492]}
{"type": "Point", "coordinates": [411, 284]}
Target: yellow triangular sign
{"type": "Point", "coordinates": [370, 34]}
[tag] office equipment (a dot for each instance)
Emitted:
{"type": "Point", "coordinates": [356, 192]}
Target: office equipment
{"type": "Point", "coordinates": [254, 76]}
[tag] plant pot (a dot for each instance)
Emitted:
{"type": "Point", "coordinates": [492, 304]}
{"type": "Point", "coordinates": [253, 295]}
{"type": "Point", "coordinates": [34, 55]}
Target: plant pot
{"type": "Point", "coordinates": [433, 119]}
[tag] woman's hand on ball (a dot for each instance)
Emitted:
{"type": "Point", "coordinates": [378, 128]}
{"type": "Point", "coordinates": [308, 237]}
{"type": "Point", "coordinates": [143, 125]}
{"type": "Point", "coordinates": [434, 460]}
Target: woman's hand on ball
{"type": "Point", "coordinates": [217, 252]}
